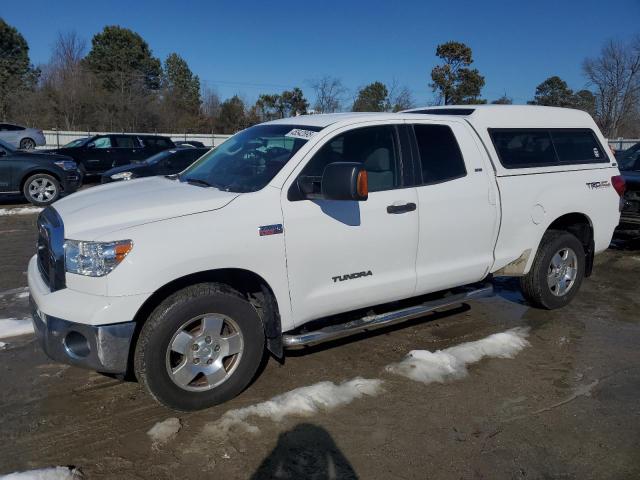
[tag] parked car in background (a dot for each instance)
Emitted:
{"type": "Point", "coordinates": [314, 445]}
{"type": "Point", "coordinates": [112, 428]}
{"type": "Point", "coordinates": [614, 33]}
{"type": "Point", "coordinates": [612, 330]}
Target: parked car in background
{"type": "Point", "coordinates": [167, 162]}
{"type": "Point", "coordinates": [190, 143]}
{"type": "Point", "coordinates": [20, 137]}
{"type": "Point", "coordinates": [629, 164]}
{"type": "Point", "coordinates": [42, 178]}
{"type": "Point", "coordinates": [95, 155]}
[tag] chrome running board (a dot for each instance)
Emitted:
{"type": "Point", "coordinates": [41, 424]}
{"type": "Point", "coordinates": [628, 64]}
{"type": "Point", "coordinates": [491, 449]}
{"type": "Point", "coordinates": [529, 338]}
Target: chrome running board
{"type": "Point", "coordinates": [372, 322]}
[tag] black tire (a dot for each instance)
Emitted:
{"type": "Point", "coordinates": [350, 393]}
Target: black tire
{"type": "Point", "coordinates": [27, 144]}
{"type": "Point", "coordinates": [151, 359]}
{"type": "Point", "coordinates": [41, 198]}
{"type": "Point", "coordinates": [535, 286]}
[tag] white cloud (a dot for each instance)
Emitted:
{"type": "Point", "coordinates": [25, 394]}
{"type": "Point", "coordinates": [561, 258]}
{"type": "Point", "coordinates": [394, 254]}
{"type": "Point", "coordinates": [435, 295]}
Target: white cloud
{"type": "Point", "coordinates": [12, 327]}
{"type": "Point", "coordinates": [19, 211]}
{"type": "Point", "coordinates": [164, 431]}
{"type": "Point", "coordinates": [301, 402]}
{"type": "Point", "coordinates": [451, 363]}
{"type": "Point", "coordinates": [53, 473]}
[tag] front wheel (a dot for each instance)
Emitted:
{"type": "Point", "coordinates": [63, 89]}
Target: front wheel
{"type": "Point", "coordinates": [557, 271]}
{"type": "Point", "coordinates": [201, 347]}
{"type": "Point", "coordinates": [41, 189]}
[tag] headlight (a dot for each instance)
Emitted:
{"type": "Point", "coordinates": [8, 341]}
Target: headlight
{"type": "Point", "coordinates": [66, 164]}
{"type": "Point", "coordinates": [94, 259]}
{"type": "Point", "coordinates": [122, 176]}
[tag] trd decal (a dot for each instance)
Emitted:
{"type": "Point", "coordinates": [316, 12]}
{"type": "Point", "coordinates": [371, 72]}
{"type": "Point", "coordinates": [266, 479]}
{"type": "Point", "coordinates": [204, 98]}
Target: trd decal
{"type": "Point", "coordinates": [351, 276]}
{"type": "Point", "coordinates": [596, 185]}
{"type": "Point", "coordinates": [271, 229]}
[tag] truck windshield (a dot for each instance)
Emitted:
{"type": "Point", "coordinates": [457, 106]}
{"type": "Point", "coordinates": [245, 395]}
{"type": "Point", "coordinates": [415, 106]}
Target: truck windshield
{"type": "Point", "coordinates": [250, 159]}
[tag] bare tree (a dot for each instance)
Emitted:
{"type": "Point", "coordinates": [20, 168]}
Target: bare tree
{"type": "Point", "coordinates": [329, 92]}
{"type": "Point", "coordinates": [615, 76]}
{"type": "Point", "coordinates": [400, 97]}
{"type": "Point", "coordinates": [66, 81]}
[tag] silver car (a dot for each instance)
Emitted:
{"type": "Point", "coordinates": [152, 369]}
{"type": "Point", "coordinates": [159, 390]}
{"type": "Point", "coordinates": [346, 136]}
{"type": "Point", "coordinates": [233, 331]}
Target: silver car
{"type": "Point", "coordinates": [21, 137]}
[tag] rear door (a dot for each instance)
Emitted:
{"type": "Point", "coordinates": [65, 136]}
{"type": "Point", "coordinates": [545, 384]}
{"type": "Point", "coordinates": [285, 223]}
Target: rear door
{"type": "Point", "coordinates": [154, 144]}
{"type": "Point", "coordinates": [457, 206]}
{"type": "Point", "coordinates": [125, 150]}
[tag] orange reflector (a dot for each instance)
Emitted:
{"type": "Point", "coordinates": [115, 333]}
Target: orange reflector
{"type": "Point", "coordinates": [122, 249]}
{"type": "Point", "coordinates": [362, 184]}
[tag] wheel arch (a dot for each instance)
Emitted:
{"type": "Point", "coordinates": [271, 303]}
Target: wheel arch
{"type": "Point", "coordinates": [580, 225]}
{"type": "Point", "coordinates": [251, 285]}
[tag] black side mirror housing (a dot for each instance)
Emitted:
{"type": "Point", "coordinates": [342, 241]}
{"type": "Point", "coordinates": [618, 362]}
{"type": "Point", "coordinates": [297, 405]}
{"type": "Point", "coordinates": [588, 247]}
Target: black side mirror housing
{"type": "Point", "coordinates": [2, 153]}
{"type": "Point", "coordinates": [345, 181]}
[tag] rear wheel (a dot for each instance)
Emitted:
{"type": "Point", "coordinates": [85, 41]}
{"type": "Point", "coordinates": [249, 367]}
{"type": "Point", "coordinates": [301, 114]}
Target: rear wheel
{"type": "Point", "coordinates": [557, 271]}
{"type": "Point", "coordinates": [27, 144]}
{"type": "Point", "coordinates": [41, 189]}
{"type": "Point", "coordinates": [201, 347]}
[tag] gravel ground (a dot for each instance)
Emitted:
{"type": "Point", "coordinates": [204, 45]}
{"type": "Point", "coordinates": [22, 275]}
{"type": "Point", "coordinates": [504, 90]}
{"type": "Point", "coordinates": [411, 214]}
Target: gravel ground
{"type": "Point", "coordinates": [565, 407]}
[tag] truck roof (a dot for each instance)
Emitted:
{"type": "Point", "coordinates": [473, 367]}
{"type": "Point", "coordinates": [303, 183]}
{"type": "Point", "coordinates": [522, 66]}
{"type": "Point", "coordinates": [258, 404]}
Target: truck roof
{"type": "Point", "coordinates": [484, 116]}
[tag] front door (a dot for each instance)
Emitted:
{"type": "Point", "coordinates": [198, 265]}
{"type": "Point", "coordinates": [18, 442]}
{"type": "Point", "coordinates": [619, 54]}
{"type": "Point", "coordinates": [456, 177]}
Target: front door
{"type": "Point", "coordinates": [98, 155]}
{"type": "Point", "coordinates": [344, 255]}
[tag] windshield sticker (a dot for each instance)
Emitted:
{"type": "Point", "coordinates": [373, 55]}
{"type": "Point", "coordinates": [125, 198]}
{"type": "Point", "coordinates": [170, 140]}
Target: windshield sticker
{"type": "Point", "coordinates": [299, 133]}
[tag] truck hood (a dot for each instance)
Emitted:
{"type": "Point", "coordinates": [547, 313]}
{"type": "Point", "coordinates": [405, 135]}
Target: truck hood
{"type": "Point", "coordinates": [97, 211]}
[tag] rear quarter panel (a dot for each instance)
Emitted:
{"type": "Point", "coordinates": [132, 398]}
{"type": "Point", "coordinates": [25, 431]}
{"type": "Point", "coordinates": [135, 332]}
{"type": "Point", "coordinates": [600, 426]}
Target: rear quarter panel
{"type": "Point", "coordinates": [531, 202]}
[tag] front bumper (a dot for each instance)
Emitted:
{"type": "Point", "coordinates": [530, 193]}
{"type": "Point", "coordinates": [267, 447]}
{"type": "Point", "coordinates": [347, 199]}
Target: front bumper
{"type": "Point", "coordinates": [71, 181]}
{"type": "Point", "coordinates": [104, 348]}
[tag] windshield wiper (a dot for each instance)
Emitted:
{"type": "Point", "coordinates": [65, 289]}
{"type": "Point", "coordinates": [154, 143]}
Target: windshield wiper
{"type": "Point", "coordinates": [197, 181]}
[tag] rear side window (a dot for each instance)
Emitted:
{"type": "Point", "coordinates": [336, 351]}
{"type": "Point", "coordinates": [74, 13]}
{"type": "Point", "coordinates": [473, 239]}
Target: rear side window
{"type": "Point", "coordinates": [577, 146]}
{"type": "Point", "coordinates": [123, 142]}
{"type": "Point", "coordinates": [530, 148]}
{"type": "Point", "coordinates": [440, 155]}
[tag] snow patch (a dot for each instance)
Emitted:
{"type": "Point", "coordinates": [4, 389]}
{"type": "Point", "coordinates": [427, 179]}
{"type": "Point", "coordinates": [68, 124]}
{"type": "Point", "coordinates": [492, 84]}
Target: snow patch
{"type": "Point", "coordinates": [451, 363]}
{"type": "Point", "coordinates": [53, 473]}
{"type": "Point", "coordinates": [164, 431]}
{"type": "Point", "coordinates": [23, 294]}
{"type": "Point", "coordinates": [2, 345]}
{"type": "Point", "coordinates": [19, 211]}
{"type": "Point", "coordinates": [12, 327]}
{"type": "Point", "coordinates": [301, 402]}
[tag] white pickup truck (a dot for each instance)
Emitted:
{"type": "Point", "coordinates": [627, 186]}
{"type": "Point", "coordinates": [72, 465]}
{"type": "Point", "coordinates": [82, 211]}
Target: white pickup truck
{"type": "Point", "coordinates": [307, 229]}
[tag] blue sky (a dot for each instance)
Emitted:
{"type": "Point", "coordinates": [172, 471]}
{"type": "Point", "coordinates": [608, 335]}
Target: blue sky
{"type": "Point", "coordinates": [264, 46]}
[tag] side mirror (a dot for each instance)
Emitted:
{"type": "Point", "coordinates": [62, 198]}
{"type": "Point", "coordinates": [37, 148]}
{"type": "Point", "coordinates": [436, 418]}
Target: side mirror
{"type": "Point", "coordinates": [91, 145]}
{"type": "Point", "coordinates": [345, 181]}
{"type": "Point", "coordinates": [2, 153]}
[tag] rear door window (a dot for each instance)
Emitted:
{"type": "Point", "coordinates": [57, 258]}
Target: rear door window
{"type": "Point", "coordinates": [440, 156]}
{"type": "Point", "coordinates": [156, 142]}
{"type": "Point", "coordinates": [124, 142]}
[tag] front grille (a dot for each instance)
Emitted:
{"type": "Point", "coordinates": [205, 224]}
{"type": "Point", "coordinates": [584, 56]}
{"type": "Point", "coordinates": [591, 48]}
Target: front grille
{"type": "Point", "coordinates": [50, 255]}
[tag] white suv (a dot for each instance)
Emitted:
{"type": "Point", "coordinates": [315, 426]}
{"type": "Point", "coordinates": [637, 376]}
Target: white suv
{"type": "Point", "coordinates": [293, 231]}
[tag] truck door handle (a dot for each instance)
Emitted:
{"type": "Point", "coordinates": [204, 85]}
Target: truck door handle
{"type": "Point", "coordinates": [407, 207]}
